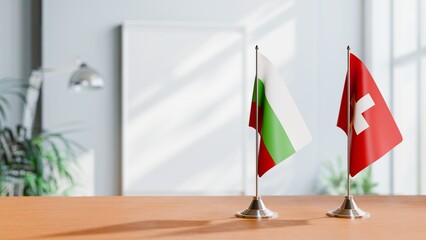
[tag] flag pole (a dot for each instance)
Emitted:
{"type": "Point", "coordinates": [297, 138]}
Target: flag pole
{"type": "Point", "coordinates": [348, 186]}
{"type": "Point", "coordinates": [348, 209]}
{"type": "Point", "coordinates": [257, 208]}
{"type": "Point", "coordinates": [257, 124]}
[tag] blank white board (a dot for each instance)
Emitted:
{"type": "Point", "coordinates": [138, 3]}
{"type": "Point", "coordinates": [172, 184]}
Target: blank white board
{"type": "Point", "coordinates": [182, 109]}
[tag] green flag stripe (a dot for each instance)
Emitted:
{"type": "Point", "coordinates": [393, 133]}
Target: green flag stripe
{"type": "Point", "coordinates": [261, 93]}
{"type": "Point", "coordinates": [273, 134]}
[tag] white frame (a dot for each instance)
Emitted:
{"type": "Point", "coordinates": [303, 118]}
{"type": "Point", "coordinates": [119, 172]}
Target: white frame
{"type": "Point", "coordinates": [124, 93]}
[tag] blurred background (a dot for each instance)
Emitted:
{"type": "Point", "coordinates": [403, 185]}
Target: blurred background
{"type": "Point", "coordinates": [172, 116]}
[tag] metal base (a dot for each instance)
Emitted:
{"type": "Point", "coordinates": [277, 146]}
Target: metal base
{"type": "Point", "coordinates": [348, 209]}
{"type": "Point", "coordinates": [257, 209]}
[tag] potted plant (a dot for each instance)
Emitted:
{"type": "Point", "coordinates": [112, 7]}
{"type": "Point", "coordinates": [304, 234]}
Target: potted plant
{"type": "Point", "coordinates": [41, 164]}
{"type": "Point", "coordinates": [334, 180]}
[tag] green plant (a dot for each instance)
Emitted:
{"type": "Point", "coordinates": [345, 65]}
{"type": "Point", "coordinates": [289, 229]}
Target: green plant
{"type": "Point", "coordinates": [334, 180]}
{"type": "Point", "coordinates": [42, 164]}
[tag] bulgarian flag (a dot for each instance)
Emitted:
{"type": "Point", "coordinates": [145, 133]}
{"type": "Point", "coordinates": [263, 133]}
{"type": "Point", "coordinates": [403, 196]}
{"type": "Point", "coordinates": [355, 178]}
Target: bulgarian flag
{"type": "Point", "coordinates": [281, 127]}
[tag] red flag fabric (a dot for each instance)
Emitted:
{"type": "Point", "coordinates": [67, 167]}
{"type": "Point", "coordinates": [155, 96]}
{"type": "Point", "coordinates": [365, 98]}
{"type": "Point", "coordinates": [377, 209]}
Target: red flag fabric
{"type": "Point", "coordinates": [373, 131]}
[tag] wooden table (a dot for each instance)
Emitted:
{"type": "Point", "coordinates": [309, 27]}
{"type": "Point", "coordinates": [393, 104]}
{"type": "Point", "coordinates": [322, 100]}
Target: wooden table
{"type": "Point", "coordinates": [207, 218]}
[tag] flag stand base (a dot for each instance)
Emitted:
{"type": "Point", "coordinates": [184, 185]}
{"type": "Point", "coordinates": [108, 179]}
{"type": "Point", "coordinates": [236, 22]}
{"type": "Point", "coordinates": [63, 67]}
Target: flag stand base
{"type": "Point", "coordinates": [348, 209]}
{"type": "Point", "coordinates": [257, 209]}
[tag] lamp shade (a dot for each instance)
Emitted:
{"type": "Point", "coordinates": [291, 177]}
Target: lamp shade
{"type": "Point", "coordinates": [86, 77]}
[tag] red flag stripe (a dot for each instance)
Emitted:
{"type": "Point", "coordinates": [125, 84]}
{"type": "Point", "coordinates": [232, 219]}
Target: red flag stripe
{"type": "Point", "coordinates": [267, 161]}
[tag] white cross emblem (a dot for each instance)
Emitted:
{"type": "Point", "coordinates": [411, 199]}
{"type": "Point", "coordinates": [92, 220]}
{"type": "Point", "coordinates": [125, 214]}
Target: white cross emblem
{"type": "Point", "coordinates": [363, 104]}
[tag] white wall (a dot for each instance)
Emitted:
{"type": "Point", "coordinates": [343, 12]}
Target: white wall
{"type": "Point", "coordinates": [15, 47]}
{"type": "Point", "coordinates": [306, 40]}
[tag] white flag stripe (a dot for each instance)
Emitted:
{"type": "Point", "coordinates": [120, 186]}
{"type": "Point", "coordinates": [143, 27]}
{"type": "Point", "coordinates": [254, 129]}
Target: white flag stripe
{"type": "Point", "coordinates": [283, 104]}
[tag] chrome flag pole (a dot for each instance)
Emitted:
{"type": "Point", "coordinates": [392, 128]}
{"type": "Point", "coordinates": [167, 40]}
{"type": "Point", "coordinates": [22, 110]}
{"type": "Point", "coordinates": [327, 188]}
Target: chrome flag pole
{"type": "Point", "coordinates": [348, 209]}
{"type": "Point", "coordinates": [257, 123]}
{"type": "Point", "coordinates": [257, 208]}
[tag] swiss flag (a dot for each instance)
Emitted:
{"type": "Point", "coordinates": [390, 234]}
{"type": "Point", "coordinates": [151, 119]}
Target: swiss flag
{"type": "Point", "coordinates": [373, 131]}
